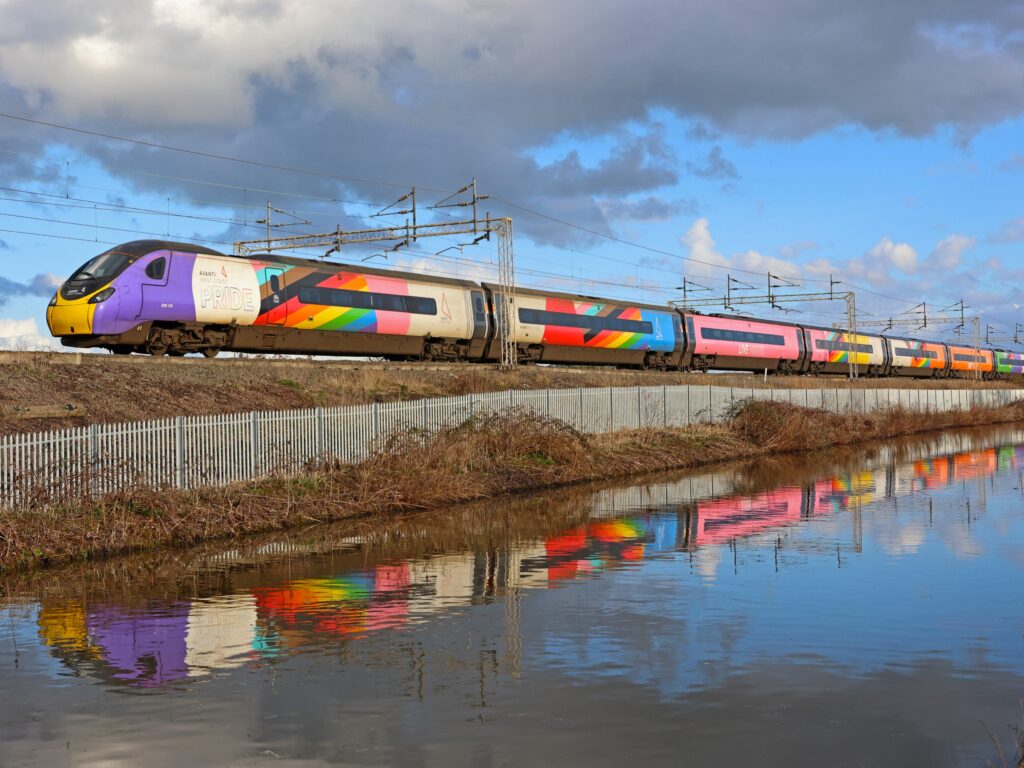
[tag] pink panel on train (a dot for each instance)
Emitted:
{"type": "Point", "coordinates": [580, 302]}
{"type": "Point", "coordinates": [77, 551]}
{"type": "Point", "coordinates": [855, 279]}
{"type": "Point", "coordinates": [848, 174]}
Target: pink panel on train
{"type": "Point", "coordinates": [742, 338]}
{"type": "Point", "coordinates": [720, 520]}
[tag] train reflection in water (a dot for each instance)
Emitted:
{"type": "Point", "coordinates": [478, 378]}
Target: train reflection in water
{"type": "Point", "coordinates": [157, 643]}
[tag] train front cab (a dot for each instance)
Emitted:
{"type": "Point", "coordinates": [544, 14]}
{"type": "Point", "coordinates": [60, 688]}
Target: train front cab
{"type": "Point", "coordinates": [101, 304]}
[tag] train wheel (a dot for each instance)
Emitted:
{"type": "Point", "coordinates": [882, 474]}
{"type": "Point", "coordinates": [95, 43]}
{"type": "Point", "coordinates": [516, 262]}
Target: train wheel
{"type": "Point", "coordinates": [211, 352]}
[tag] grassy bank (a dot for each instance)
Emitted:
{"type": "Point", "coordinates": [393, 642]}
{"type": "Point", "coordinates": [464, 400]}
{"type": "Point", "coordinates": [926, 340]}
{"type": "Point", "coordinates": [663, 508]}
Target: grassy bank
{"type": "Point", "coordinates": [112, 389]}
{"type": "Point", "coordinates": [483, 458]}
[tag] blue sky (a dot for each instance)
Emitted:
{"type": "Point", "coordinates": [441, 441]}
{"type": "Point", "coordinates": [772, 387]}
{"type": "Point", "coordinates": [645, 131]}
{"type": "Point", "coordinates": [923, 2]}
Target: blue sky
{"type": "Point", "coordinates": [879, 145]}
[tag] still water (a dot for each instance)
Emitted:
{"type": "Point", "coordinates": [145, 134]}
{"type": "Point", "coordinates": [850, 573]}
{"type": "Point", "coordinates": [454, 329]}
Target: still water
{"type": "Point", "coordinates": [857, 609]}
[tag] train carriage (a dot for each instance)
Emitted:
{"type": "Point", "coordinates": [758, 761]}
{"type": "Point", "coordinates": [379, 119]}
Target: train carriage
{"type": "Point", "coordinates": [967, 362]}
{"type": "Point", "coordinates": [553, 327]}
{"type": "Point", "coordinates": [913, 357]}
{"type": "Point", "coordinates": [716, 341]}
{"type": "Point", "coordinates": [1009, 363]}
{"type": "Point", "coordinates": [318, 308]}
{"type": "Point", "coordinates": [834, 351]}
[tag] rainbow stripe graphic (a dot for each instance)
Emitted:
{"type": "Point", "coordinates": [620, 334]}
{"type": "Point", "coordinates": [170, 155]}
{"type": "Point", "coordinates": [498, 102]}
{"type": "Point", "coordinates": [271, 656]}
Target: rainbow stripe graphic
{"type": "Point", "coordinates": [282, 288]}
{"type": "Point", "coordinates": [843, 355]}
{"type": "Point", "coordinates": [925, 362]}
{"type": "Point", "coordinates": [603, 333]}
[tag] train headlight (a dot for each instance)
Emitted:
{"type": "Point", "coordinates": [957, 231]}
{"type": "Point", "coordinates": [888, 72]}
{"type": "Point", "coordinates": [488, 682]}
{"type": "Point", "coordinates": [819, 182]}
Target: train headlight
{"type": "Point", "coordinates": [103, 295]}
{"type": "Point", "coordinates": [53, 301]}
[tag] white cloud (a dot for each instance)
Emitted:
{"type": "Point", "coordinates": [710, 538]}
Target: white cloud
{"type": "Point", "coordinates": [701, 247]}
{"type": "Point", "coordinates": [758, 262]}
{"type": "Point", "coordinates": [24, 335]}
{"type": "Point", "coordinates": [885, 253]}
{"type": "Point", "coordinates": [948, 254]}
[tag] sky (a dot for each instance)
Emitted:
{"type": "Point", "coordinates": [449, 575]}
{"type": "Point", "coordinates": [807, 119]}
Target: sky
{"type": "Point", "coordinates": [874, 143]}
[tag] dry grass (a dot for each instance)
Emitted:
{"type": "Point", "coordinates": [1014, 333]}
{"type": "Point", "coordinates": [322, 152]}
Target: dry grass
{"type": "Point", "coordinates": [483, 458]}
{"type": "Point", "coordinates": [114, 389]}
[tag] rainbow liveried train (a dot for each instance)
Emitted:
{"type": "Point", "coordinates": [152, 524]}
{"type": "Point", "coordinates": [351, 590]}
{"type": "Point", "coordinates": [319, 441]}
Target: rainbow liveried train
{"type": "Point", "coordinates": [160, 298]}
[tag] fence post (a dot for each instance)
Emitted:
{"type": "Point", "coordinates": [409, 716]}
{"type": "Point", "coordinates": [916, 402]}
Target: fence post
{"type": "Point", "coordinates": [472, 407]}
{"type": "Point", "coordinates": [253, 444]}
{"type": "Point", "coordinates": [376, 421]}
{"type": "Point", "coordinates": [664, 405]}
{"type": "Point", "coordinates": [426, 418]}
{"type": "Point", "coordinates": [94, 444]}
{"type": "Point", "coordinates": [547, 399]}
{"type": "Point", "coordinates": [179, 451]}
{"type": "Point", "coordinates": [319, 414]}
{"type": "Point", "coordinates": [639, 409]}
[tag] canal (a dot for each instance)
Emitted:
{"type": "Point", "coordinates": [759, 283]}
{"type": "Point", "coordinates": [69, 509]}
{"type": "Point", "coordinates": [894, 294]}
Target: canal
{"type": "Point", "coordinates": [857, 608]}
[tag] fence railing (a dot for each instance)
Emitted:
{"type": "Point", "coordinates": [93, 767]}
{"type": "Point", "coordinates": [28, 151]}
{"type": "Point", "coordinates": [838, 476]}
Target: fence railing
{"type": "Point", "coordinates": [195, 451]}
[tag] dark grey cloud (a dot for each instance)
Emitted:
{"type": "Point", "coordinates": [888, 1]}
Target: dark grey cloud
{"type": "Point", "coordinates": [383, 98]}
{"type": "Point", "coordinates": [649, 208]}
{"type": "Point", "coordinates": [40, 285]}
{"type": "Point", "coordinates": [715, 166]}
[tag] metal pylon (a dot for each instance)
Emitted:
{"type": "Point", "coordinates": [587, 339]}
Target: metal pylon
{"type": "Point", "coordinates": [505, 312]}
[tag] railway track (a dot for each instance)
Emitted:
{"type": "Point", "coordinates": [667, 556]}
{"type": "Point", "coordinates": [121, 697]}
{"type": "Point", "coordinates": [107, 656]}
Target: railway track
{"type": "Point", "coordinates": [275, 361]}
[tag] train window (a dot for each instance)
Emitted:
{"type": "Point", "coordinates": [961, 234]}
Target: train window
{"type": "Point", "coordinates": [156, 268]}
{"type": "Point", "coordinates": [590, 322]}
{"type": "Point", "coordinates": [478, 305]}
{"type": "Point", "coordinates": [963, 358]}
{"type": "Point", "coordinates": [750, 337]}
{"type": "Point", "coordinates": [388, 302]}
{"type": "Point", "coordinates": [842, 346]}
{"type": "Point", "coordinates": [106, 265]}
{"type": "Point", "coordinates": [275, 283]}
{"type": "Point", "coordinates": [931, 354]}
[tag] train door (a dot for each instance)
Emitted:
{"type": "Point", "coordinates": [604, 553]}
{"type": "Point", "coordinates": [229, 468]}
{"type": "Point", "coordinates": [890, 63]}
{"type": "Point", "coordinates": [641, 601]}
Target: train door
{"type": "Point", "coordinates": [480, 323]}
{"type": "Point", "coordinates": [153, 286]}
{"type": "Point", "coordinates": [275, 301]}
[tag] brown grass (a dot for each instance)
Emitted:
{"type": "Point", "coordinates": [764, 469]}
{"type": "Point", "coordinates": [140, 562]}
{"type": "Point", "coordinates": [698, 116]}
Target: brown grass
{"type": "Point", "coordinates": [113, 389]}
{"type": "Point", "coordinates": [482, 458]}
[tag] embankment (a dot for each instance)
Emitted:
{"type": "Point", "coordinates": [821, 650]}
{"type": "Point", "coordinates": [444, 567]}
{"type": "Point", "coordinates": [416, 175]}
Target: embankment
{"type": "Point", "coordinates": [482, 458]}
{"type": "Point", "coordinates": [107, 389]}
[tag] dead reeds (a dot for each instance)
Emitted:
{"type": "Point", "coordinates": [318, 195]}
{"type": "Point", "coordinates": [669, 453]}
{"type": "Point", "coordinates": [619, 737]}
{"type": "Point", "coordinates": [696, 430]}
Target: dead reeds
{"type": "Point", "coordinates": [482, 458]}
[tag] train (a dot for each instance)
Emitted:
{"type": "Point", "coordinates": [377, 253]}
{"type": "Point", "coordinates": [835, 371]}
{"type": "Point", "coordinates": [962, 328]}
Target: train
{"type": "Point", "coordinates": [168, 298]}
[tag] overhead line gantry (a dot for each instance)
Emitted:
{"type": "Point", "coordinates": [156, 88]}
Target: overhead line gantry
{"type": "Point", "coordinates": [403, 235]}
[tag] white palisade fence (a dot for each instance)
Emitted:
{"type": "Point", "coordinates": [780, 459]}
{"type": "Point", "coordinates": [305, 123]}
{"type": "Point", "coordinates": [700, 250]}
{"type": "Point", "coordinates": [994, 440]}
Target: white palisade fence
{"type": "Point", "coordinates": [195, 451]}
